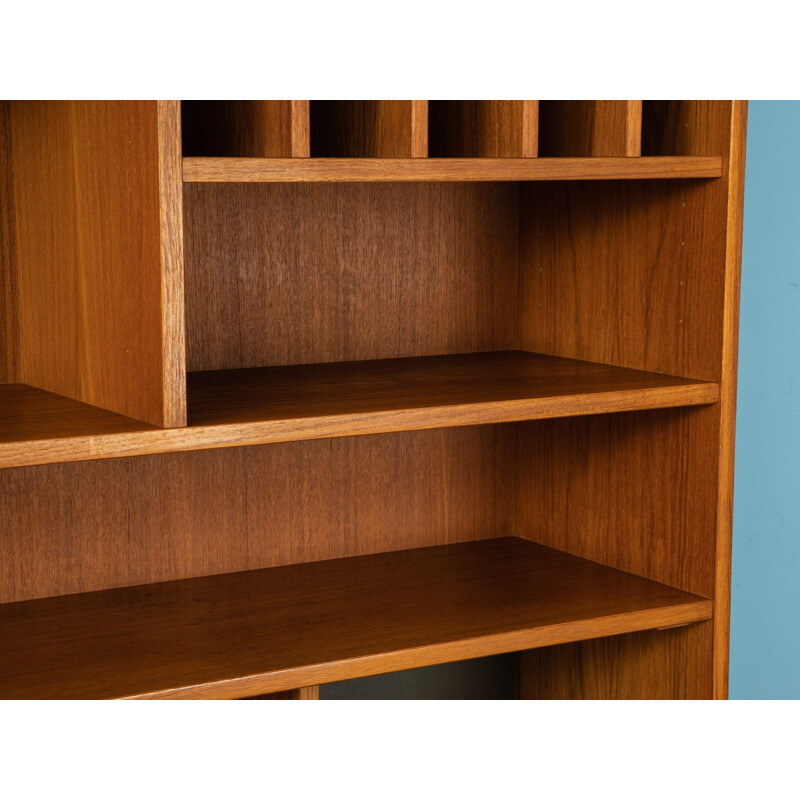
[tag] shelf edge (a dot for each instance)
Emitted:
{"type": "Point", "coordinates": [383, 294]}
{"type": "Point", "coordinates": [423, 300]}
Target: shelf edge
{"type": "Point", "coordinates": [442, 652]}
{"type": "Point", "coordinates": [242, 434]}
{"type": "Point", "coordinates": [331, 170]}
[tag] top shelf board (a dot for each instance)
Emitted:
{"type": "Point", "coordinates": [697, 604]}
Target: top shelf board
{"type": "Point", "coordinates": [332, 170]}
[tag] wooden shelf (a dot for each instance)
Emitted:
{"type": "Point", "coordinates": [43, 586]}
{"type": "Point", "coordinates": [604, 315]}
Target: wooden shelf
{"type": "Point", "coordinates": [288, 170]}
{"type": "Point", "coordinates": [246, 633]}
{"type": "Point", "coordinates": [280, 404]}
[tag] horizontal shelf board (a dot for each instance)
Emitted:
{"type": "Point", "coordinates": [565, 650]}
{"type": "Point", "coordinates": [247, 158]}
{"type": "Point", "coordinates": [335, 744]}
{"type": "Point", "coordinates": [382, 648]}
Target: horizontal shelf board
{"type": "Point", "coordinates": [281, 404]}
{"type": "Point", "coordinates": [247, 633]}
{"type": "Point", "coordinates": [288, 170]}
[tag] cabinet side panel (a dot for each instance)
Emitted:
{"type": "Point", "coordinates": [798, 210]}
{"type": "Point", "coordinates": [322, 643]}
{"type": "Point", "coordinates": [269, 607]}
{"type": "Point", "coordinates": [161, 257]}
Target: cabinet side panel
{"type": "Point", "coordinates": [87, 526]}
{"type": "Point", "coordinates": [87, 194]}
{"type": "Point", "coordinates": [630, 273]}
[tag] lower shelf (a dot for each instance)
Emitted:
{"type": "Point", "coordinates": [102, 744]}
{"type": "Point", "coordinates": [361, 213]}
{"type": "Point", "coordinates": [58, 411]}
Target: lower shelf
{"type": "Point", "coordinates": [250, 633]}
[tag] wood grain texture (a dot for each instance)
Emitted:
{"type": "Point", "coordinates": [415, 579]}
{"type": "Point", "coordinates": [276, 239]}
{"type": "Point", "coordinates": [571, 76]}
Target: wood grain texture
{"type": "Point", "coordinates": [625, 273]}
{"type": "Point", "coordinates": [337, 170]}
{"type": "Point", "coordinates": [262, 631]}
{"type": "Point", "coordinates": [597, 489]}
{"type": "Point", "coordinates": [685, 127]}
{"type": "Point", "coordinates": [483, 128]}
{"type": "Point", "coordinates": [173, 315]}
{"type": "Point", "coordinates": [246, 128]}
{"type": "Point", "coordinates": [655, 668]}
{"type": "Point", "coordinates": [68, 528]}
{"type": "Point", "coordinates": [97, 258]}
{"type": "Point", "coordinates": [305, 274]}
{"type": "Point", "coordinates": [281, 404]}
{"type": "Point", "coordinates": [662, 296]}
{"type": "Point", "coordinates": [9, 324]}
{"type": "Point", "coordinates": [727, 407]}
{"type": "Point", "coordinates": [369, 128]}
{"type": "Point", "coordinates": [590, 127]}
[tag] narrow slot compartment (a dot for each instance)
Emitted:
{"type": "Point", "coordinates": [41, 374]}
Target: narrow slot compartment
{"type": "Point", "coordinates": [684, 127]}
{"type": "Point", "coordinates": [369, 128]}
{"type": "Point", "coordinates": [246, 128]}
{"type": "Point", "coordinates": [483, 128]}
{"type": "Point", "coordinates": [584, 128]}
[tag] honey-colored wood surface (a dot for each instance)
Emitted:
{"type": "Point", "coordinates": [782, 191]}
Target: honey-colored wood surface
{"type": "Point", "coordinates": [727, 406]}
{"type": "Point", "coordinates": [326, 170]}
{"type": "Point", "coordinates": [98, 254]}
{"type": "Point", "coordinates": [625, 273]}
{"type": "Point", "coordinates": [9, 326]}
{"type": "Point", "coordinates": [590, 128]}
{"type": "Point", "coordinates": [686, 127]}
{"type": "Point", "coordinates": [306, 274]}
{"type": "Point", "coordinates": [68, 528]}
{"type": "Point", "coordinates": [233, 408]}
{"type": "Point", "coordinates": [643, 276]}
{"type": "Point", "coordinates": [655, 667]}
{"type": "Point", "coordinates": [246, 128]}
{"type": "Point", "coordinates": [235, 635]}
{"type": "Point", "coordinates": [483, 128]}
{"type": "Point", "coordinates": [369, 128]}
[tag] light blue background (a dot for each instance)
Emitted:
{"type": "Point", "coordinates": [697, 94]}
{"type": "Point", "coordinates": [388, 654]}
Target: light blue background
{"type": "Point", "coordinates": [765, 618]}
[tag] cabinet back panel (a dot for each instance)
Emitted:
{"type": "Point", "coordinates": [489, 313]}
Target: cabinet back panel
{"type": "Point", "coordinates": [292, 274]}
{"type": "Point", "coordinates": [81, 527]}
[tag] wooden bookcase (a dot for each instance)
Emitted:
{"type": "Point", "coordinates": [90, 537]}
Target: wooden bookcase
{"type": "Point", "coordinates": [301, 391]}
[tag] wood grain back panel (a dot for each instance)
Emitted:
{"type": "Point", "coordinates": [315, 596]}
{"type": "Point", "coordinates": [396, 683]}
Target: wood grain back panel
{"type": "Point", "coordinates": [288, 274]}
{"type": "Point", "coordinates": [590, 127]}
{"type": "Point", "coordinates": [483, 128]}
{"type": "Point", "coordinates": [99, 254]}
{"type": "Point", "coordinates": [68, 528]}
{"type": "Point", "coordinates": [246, 128]}
{"type": "Point", "coordinates": [369, 128]}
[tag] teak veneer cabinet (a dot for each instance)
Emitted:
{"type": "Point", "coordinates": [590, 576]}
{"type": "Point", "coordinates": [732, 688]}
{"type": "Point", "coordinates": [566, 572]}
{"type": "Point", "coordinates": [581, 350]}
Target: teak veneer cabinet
{"type": "Point", "coordinates": [301, 391]}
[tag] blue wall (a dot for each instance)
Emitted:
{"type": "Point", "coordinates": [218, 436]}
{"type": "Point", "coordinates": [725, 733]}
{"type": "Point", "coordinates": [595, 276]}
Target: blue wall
{"type": "Point", "coordinates": [765, 623]}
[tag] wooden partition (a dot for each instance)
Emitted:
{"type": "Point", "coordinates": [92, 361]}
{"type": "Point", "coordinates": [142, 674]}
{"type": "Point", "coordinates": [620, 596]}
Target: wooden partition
{"type": "Point", "coordinates": [95, 259]}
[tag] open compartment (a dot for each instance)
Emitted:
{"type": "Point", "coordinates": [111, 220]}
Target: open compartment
{"type": "Point", "coordinates": [590, 128]}
{"type": "Point", "coordinates": [483, 128]}
{"type": "Point", "coordinates": [246, 128]}
{"type": "Point", "coordinates": [369, 128]}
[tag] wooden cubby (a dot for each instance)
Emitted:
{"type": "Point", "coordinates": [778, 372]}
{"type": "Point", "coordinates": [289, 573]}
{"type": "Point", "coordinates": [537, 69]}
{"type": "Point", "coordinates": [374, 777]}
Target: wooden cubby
{"type": "Point", "coordinates": [294, 392]}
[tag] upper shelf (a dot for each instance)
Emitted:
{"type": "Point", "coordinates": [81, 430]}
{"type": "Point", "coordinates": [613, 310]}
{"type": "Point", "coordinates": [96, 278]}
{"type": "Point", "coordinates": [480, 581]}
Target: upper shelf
{"type": "Point", "coordinates": [278, 404]}
{"type": "Point", "coordinates": [310, 170]}
{"type": "Point", "coordinates": [248, 633]}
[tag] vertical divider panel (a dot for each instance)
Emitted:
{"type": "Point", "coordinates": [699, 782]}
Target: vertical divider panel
{"type": "Point", "coordinates": [246, 128]}
{"type": "Point", "coordinates": [484, 128]}
{"type": "Point", "coordinates": [585, 128]}
{"type": "Point", "coordinates": [8, 294]}
{"type": "Point", "coordinates": [98, 254]}
{"type": "Point", "coordinates": [369, 128]}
